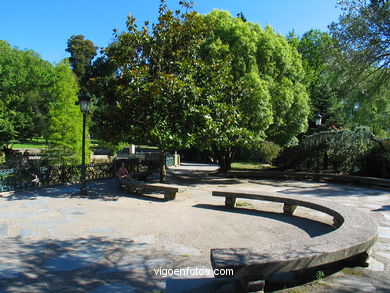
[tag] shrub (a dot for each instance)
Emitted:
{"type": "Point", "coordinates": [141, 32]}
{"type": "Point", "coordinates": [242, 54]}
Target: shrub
{"type": "Point", "coordinates": [268, 152]}
{"type": "Point", "coordinates": [376, 162]}
{"type": "Point", "coordinates": [346, 151]}
{"type": "Point", "coordinates": [297, 158]}
{"type": "Point", "coordinates": [265, 152]}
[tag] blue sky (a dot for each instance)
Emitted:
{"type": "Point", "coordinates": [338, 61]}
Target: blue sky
{"type": "Point", "coordinates": [45, 25]}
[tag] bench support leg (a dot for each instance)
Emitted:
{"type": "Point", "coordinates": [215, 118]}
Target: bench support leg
{"type": "Point", "coordinates": [336, 223]}
{"type": "Point", "coordinates": [169, 195]}
{"type": "Point", "coordinates": [252, 285]}
{"type": "Point", "coordinates": [289, 209]}
{"type": "Point", "coordinates": [131, 189]}
{"type": "Point", "coordinates": [360, 259]}
{"type": "Point", "coordinates": [230, 202]}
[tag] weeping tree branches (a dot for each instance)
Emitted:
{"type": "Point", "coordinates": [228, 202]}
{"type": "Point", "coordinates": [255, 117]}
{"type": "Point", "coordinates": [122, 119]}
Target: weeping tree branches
{"type": "Point", "coordinates": [360, 135]}
{"type": "Point", "coordinates": [362, 34]}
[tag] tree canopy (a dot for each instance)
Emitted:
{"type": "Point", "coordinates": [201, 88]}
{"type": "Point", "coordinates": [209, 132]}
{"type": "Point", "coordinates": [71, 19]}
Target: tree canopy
{"type": "Point", "coordinates": [82, 53]}
{"type": "Point", "coordinates": [177, 85]}
{"type": "Point", "coordinates": [25, 81]}
{"type": "Point", "coordinates": [253, 87]}
{"type": "Point", "coordinates": [362, 64]}
{"type": "Point", "coordinates": [362, 34]}
{"type": "Point", "coordinates": [318, 52]}
{"type": "Point", "coordinates": [64, 126]}
{"type": "Point", "coordinates": [37, 99]}
{"type": "Point", "coordinates": [149, 96]}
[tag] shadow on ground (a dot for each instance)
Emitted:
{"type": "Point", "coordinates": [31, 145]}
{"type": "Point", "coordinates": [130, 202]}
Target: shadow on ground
{"type": "Point", "coordinates": [311, 227]}
{"type": "Point", "coordinates": [106, 189]}
{"type": "Point", "coordinates": [79, 265]}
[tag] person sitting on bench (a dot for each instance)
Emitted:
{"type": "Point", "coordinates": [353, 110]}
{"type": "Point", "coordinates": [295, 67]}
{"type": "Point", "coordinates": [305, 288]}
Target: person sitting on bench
{"type": "Point", "coordinates": [122, 174]}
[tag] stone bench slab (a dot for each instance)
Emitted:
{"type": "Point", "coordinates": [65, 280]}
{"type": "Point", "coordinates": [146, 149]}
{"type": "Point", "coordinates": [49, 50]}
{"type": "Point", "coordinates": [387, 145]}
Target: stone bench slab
{"type": "Point", "coordinates": [355, 232]}
{"type": "Point", "coordinates": [168, 189]}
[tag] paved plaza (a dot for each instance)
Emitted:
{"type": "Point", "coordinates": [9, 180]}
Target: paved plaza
{"type": "Point", "coordinates": [51, 239]}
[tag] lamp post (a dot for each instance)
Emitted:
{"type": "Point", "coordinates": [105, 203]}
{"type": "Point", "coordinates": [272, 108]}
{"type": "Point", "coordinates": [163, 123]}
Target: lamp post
{"type": "Point", "coordinates": [318, 121]}
{"type": "Point", "coordinates": [84, 101]}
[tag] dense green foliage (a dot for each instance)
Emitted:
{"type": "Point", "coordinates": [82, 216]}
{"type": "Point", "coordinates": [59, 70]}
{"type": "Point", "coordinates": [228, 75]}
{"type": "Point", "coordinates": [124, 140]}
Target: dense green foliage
{"type": "Point", "coordinates": [37, 99]}
{"type": "Point", "coordinates": [265, 152]}
{"type": "Point", "coordinates": [82, 52]}
{"type": "Point", "coordinates": [355, 151]}
{"type": "Point", "coordinates": [149, 96]}
{"type": "Point", "coordinates": [317, 50]}
{"type": "Point", "coordinates": [252, 90]}
{"type": "Point", "coordinates": [268, 152]}
{"type": "Point", "coordinates": [363, 34]}
{"type": "Point", "coordinates": [362, 65]}
{"type": "Point", "coordinates": [267, 72]}
{"type": "Point", "coordinates": [179, 86]}
{"type": "Point", "coordinates": [336, 89]}
{"type": "Point", "coordinates": [65, 120]}
{"type": "Point", "coordinates": [25, 81]}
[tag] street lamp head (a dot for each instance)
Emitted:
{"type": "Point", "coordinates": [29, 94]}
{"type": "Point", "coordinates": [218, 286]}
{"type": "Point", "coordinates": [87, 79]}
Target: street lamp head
{"type": "Point", "coordinates": [84, 101]}
{"type": "Point", "coordinates": [318, 119]}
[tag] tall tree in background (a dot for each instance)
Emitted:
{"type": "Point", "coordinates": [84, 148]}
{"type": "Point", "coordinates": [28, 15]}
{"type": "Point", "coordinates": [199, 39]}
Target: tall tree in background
{"type": "Point", "coordinates": [82, 53]}
{"type": "Point", "coordinates": [363, 65]}
{"type": "Point", "coordinates": [363, 34]}
{"type": "Point", "coordinates": [25, 82]}
{"type": "Point", "coordinates": [65, 119]}
{"type": "Point", "coordinates": [318, 53]}
{"type": "Point", "coordinates": [38, 99]}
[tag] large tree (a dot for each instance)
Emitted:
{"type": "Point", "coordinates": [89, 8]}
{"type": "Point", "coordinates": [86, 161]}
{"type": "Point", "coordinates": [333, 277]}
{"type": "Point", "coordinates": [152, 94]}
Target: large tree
{"type": "Point", "coordinates": [363, 65]}
{"type": "Point", "coordinates": [177, 85]}
{"type": "Point", "coordinates": [253, 89]}
{"type": "Point", "coordinates": [82, 52]}
{"type": "Point", "coordinates": [362, 33]}
{"type": "Point", "coordinates": [64, 126]}
{"type": "Point", "coordinates": [150, 95]}
{"type": "Point", "coordinates": [38, 99]}
{"type": "Point", "coordinates": [318, 54]}
{"type": "Point", "coordinates": [25, 82]}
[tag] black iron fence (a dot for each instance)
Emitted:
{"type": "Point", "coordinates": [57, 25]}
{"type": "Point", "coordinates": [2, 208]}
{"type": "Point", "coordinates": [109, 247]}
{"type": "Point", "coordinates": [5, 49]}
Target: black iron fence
{"type": "Point", "coordinates": [13, 179]}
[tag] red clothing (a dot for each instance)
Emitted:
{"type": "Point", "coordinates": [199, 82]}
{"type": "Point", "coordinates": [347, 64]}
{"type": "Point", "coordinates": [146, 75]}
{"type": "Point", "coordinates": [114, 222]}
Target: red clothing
{"type": "Point", "coordinates": [122, 172]}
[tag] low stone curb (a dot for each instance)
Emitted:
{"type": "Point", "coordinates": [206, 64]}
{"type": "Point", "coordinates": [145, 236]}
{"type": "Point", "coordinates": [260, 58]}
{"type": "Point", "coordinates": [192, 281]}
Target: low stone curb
{"type": "Point", "coordinates": [350, 179]}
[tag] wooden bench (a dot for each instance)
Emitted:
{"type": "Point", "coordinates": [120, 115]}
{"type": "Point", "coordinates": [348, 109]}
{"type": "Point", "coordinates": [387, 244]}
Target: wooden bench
{"type": "Point", "coordinates": [168, 189]}
{"type": "Point", "coordinates": [355, 232]}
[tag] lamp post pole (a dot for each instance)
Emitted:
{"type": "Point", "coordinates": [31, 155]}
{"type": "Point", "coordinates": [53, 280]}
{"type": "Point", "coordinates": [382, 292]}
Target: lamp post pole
{"type": "Point", "coordinates": [83, 188]}
{"type": "Point", "coordinates": [84, 101]}
{"type": "Point", "coordinates": [318, 121]}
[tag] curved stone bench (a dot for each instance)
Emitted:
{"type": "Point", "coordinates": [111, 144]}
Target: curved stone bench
{"type": "Point", "coordinates": [355, 232]}
{"type": "Point", "coordinates": [336, 178]}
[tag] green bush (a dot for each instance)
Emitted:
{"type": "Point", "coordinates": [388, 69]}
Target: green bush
{"type": "Point", "coordinates": [347, 158]}
{"type": "Point", "coordinates": [349, 152]}
{"type": "Point", "coordinates": [376, 162]}
{"type": "Point", "coordinates": [265, 152]}
{"type": "Point", "coordinates": [268, 152]}
{"type": "Point", "coordinates": [296, 158]}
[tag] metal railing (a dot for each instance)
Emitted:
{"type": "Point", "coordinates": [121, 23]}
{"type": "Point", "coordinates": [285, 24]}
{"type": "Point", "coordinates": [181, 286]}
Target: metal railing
{"type": "Point", "coordinates": [13, 179]}
{"type": "Point", "coordinates": [139, 164]}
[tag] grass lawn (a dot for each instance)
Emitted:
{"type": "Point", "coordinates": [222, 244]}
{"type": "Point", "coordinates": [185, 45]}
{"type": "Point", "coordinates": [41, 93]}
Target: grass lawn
{"type": "Point", "coordinates": [36, 143]}
{"type": "Point", "coordinates": [250, 165]}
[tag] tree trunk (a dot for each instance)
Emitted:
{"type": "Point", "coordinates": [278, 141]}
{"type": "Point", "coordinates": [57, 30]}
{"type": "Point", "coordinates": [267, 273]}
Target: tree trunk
{"type": "Point", "coordinates": [163, 170]}
{"type": "Point", "coordinates": [225, 158]}
{"type": "Point", "coordinates": [326, 160]}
